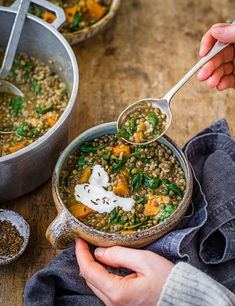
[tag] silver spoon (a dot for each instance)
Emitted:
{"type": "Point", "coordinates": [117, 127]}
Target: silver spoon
{"type": "Point", "coordinates": [164, 103]}
{"type": "Point", "coordinates": [7, 87]}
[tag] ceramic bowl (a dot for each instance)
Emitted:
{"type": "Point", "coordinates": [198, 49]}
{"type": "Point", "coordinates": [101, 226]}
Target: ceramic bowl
{"type": "Point", "coordinates": [62, 231]}
{"type": "Point", "coordinates": [23, 229]}
{"type": "Point", "coordinates": [84, 34]}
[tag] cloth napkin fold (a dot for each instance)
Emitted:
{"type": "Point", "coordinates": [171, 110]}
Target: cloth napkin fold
{"type": "Point", "coordinates": [205, 238]}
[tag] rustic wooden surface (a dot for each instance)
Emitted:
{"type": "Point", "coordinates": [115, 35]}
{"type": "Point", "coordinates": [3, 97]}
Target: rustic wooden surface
{"type": "Point", "coordinates": [143, 52]}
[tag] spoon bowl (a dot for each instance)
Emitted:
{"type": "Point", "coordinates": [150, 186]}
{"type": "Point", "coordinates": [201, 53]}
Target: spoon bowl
{"type": "Point", "coordinates": [161, 104]}
{"type": "Point", "coordinates": [8, 87]}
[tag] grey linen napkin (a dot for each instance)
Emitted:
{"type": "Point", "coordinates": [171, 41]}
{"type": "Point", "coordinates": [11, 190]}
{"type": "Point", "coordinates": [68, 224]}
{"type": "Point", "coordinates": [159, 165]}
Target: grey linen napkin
{"type": "Point", "coordinates": [205, 237]}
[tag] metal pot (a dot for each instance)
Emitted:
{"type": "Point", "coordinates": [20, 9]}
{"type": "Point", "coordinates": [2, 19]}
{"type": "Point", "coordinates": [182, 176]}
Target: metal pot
{"type": "Point", "coordinates": [23, 171]}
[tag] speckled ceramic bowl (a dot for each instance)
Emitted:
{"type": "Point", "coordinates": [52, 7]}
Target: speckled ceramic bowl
{"type": "Point", "coordinates": [23, 228]}
{"type": "Point", "coordinates": [62, 231]}
{"type": "Point", "coordinates": [88, 32]}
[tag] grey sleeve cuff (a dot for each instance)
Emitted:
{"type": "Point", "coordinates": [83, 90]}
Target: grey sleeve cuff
{"type": "Point", "coordinates": [187, 285]}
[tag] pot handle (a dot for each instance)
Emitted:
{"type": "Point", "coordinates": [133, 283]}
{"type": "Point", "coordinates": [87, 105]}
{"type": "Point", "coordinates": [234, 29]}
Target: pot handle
{"type": "Point", "coordinates": [58, 11]}
{"type": "Point", "coordinates": [61, 233]}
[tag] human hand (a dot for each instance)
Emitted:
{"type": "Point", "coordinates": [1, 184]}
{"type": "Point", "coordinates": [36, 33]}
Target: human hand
{"type": "Point", "coordinates": [142, 287]}
{"type": "Point", "coordinates": [219, 72]}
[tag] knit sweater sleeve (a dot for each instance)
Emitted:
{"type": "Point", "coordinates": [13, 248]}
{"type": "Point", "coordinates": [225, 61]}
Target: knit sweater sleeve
{"type": "Point", "coordinates": [188, 286]}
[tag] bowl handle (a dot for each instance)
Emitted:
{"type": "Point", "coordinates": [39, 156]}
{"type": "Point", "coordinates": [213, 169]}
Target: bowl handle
{"type": "Point", "coordinates": [58, 11]}
{"type": "Point", "coordinates": [61, 232]}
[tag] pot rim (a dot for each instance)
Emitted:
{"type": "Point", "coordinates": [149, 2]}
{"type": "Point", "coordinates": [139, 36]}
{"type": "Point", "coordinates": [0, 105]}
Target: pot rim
{"type": "Point", "coordinates": [147, 232]}
{"type": "Point", "coordinates": [73, 97]}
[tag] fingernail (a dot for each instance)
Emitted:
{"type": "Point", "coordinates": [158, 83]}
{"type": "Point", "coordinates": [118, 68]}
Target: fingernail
{"type": "Point", "coordinates": [99, 252]}
{"type": "Point", "coordinates": [219, 30]}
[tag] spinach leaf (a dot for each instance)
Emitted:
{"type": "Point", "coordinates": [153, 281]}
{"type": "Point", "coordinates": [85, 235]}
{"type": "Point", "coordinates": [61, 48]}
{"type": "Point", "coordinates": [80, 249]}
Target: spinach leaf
{"type": "Point", "coordinates": [90, 149]}
{"type": "Point", "coordinates": [136, 181]}
{"type": "Point", "coordinates": [35, 87]}
{"type": "Point", "coordinates": [123, 133]}
{"type": "Point", "coordinates": [153, 120]}
{"type": "Point", "coordinates": [16, 105]}
{"type": "Point", "coordinates": [21, 131]}
{"type": "Point", "coordinates": [115, 218]}
{"type": "Point", "coordinates": [43, 111]}
{"type": "Point", "coordinates": [81, 161]}
{"type": "Point", "coordinates": [113, 214]}
{"type": "Point", "coordinates": [173, 187]}
{"type": "Point", "coordinates": [151, 182]}
{"type": "Point", "coordinates": [117, 165]}
{"type": "Point", "coordinates": [176, 189]}
{"type": "Point", "coordinates": [26, 130]}
{"type": "Point", "coordinates": [29, 66]}
{"type": "Point", "coordinates": [106, 157]}
{"type": "Point", "coordinates": [137, 154]}
{"type": "Point", "coordinates": [76, 20]}
{"type": "Point", "coordinates": [141, 201]}
{"type": "Point", "coordinates": [132, 126]}
{"type": "Point", "coordinates": [167, 211]}
{"type": "Point", "coordinates": [165, 182]}
{"type": "Point", "coordinates": [134, 226]}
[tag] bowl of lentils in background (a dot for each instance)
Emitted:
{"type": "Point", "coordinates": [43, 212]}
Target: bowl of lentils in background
{"type": "Point", "coordinates": [110, 192]}
{"type": "Point", "coordinates": [84, 18]}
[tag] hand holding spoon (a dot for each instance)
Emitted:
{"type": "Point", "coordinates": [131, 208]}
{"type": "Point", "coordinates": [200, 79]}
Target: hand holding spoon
{"type": "Point", "coordinates": [162, 105]}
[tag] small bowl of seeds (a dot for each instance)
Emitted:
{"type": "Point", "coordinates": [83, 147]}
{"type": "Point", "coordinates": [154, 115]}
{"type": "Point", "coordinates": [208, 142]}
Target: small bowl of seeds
{"type": "Point", "coordinates": [14, 236]}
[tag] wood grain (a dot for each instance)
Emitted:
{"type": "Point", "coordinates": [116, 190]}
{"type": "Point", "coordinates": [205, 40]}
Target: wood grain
{"type": "Point", "coordinates": [143, 52]}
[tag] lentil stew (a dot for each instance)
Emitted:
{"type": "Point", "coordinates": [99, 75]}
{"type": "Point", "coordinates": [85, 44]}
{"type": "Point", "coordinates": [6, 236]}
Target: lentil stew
{"type": "Point", "coordinates": [26, 119]}
{"type": "Point", "coordinates": [150, 175]}
{"type": "Point", "coordinates": [143, 124]}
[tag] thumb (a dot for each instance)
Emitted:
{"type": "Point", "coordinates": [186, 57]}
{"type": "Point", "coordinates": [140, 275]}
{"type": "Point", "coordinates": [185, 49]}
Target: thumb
{"type": "Point", "coordinates": [136, 260]}
{"type": "Point", "coordinates": [224, 33]}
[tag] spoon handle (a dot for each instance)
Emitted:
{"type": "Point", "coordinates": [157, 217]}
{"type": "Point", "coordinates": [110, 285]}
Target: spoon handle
{"type": "Point", "coordinates": [219, 46]}
{"type": "Point", "coordinates": [14, 38]}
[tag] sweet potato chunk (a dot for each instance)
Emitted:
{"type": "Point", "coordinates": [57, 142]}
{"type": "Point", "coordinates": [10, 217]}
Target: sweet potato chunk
{"type": "Point", "coordinates": [128, 232]}
{"type": "Point", "coordinates": [95, 10]}
{"type": "Point", "coordinates": [16, 147]}
{"type": "Point", "coordinates": [80, 210]}
{"type": "Point", "coordinates": [122, 188]}
{"type": "Point", "coordinates": [138, 137]}
{"type": "Point", "coordinates": [49, 17]}
{"type": "Point", "coordinates": [142, 127]}
{"type": "Point", "coordinates": [86, 173]}
{"type": "Point", "coordinates": [117, 150]}
{"type": "Point", "coordinates": [153, 205]}
{"type": "Point", "coordinates": [51, 121]}
{"type": "Point", "coordinates": [70, 12]}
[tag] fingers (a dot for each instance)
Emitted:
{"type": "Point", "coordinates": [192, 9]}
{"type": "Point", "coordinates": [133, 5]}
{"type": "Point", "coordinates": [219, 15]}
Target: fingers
{"type": "Point", "coordinates": [93, 272]}
{"type": "Point", "coordinates": [216, 76]}
{"type": "Point", "coordinates": [208, 41]}
{"type": "Point", "coordinates": [224, 33]}
{"type": "Point", "coordinates": [224, 56]}
{"type": "Point", "coordinates": [135, 260]}
{"type": "Point", "coordinates": [227, 81]}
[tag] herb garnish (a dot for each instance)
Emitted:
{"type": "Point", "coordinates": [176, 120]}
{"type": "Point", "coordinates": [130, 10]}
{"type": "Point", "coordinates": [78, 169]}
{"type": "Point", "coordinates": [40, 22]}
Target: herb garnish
{"type": "Point", "coordinates": [43, 111]}
{"type": "Point", "coordinates": [26, 130]}
{"type": "Point", "coordinates": [16, 105]}
{"type": "Point", "coordinates": [153, 120]}
{"type": "Point", "coordinates": [90, 149]}
{"type": "Point", "coordinates": [35, 87]}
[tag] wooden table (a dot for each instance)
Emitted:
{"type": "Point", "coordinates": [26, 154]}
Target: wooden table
{"type": "Point", "coordinates": [143, 52]}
